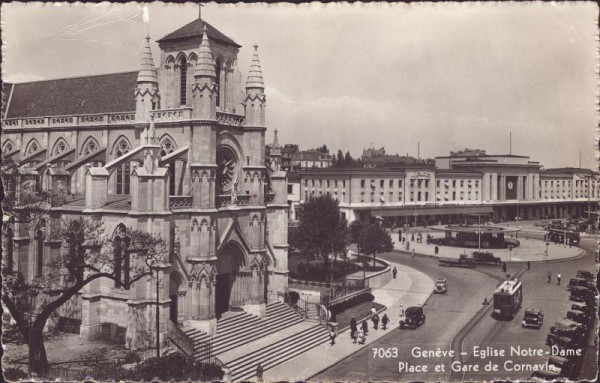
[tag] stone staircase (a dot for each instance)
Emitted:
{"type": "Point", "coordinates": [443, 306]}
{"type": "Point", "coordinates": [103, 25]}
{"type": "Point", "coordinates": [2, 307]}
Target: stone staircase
{"type": "Point", "coordinates": [240, 329]}
{"type": "Point", "coordinates": [243, 367]}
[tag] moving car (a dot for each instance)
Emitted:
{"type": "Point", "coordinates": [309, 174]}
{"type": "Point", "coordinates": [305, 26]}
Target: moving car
{"type": "Point", "coordinates": [441, 286]}
{"type": "Point", "coordinates": [533, 318]}
{"type": "Point", "coordinates": [413, 317]}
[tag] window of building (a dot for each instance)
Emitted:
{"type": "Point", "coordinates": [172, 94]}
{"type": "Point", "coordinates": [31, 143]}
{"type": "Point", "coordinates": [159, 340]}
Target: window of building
{"type": "Point", "coordinates": [399, 183]}
{"type": "Point", "coordinates": [437, 183]}
{"type": "Point", "coordinates": [419, 196]}
{"type": "Point", "coordinates": [372, 197]}
{"type": "Point", "coordinates": [426, 183]}
{"type": "Point", "coordinates": [453, 183]}
{"type": "Point", "coordinates": [453, 196]}
{"type": "Point", "coordinates": [218, 67]}
{"type": "Point", "coordinates": [391, 183]}
{"type": "Point", "coordinates": [426, 196]}
{"type": "Point", "coordinates": [121, 257]}
{"type": "Point", "coordinates": [183, 82]}
{"type": "Point", "coordinates": [381, 183]}
{"type": "Point", "coordinates": [343, 196]}
{"type": "Point", "coordinates": [362, 196]}
{"type": "Point", "coordinates": [400, 197]}
{"type": "Point", "coordinates": [290, 188]}
{"type": "Point", "coordinates": [328, 183]}
{"type": "Point", "coordinates": [419, 184]}
{"type": "Point", "coordinates": [313, 183]}
{"type": "Point", "coordinates": [412, 182]}
{"type": "Point", "coordinates": [362, 183]}
{"type": "Point", "coordinates": [335, 184]}
{"type": "Point", "coordinates": [344, 183]}
{"type": "Point", "coordinates": [123, 170]}
{"type": "Point", "coordinates": [412, 196]}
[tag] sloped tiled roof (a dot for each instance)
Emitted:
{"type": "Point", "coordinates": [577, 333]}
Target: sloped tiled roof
{"type": "Point", "coordinates": [107, 93]}
{"type": "Point", "coordinates": [194, 29]}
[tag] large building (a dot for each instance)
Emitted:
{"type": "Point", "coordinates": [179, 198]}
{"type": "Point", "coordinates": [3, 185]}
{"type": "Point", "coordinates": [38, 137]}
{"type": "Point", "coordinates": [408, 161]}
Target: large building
{"type": "Point", "coordinates": [176, 149]}
{"type": "Point", "coordinates": [466, 182]}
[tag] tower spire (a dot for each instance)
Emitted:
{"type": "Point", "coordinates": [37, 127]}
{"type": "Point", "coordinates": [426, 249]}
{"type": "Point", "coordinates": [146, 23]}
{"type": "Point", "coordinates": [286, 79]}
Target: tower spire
{"type": "Point", "coordinates": [255, 77]}
{"type": "Point", "coordinates": [205, 66]}
{"type": "Point", "coordinates": [147, 69]}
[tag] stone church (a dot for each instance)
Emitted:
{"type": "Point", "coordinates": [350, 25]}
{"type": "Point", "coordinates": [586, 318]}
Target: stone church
{"type": "Point", "coordinates": [176, 149]}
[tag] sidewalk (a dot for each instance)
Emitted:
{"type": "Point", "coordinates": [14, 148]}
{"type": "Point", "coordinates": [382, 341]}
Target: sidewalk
{"type": "Point", "coordinates": [411, 287]}
{"type": "Point", "coordinates": [532, 250]}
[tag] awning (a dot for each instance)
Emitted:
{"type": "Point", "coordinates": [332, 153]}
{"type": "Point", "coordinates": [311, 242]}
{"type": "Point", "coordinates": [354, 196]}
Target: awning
{"type": "Point", "coordinates": [438, 210]}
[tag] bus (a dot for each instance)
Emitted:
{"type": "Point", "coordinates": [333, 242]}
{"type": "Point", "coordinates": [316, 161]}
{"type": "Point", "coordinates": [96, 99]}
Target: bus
{"type": "Point", "coordinates": [568, 237]}
{"type": "Point", "coordinates": [508, 298]}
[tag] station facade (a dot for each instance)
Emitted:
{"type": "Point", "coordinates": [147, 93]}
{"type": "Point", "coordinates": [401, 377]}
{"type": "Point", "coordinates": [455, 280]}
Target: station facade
{"type": "Point", "coordinates": [503, 186]}
{"type": "Point", "coordinates": [177, 150]}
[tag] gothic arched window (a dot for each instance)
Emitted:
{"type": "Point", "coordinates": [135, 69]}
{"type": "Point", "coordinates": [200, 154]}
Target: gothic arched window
{"type": "Point", "coordinates": [90, 146]}
{"type": "Point", "coordinates": [122, 148]}
{"type": "Point", "coordinates": [121, 257]}
{"type": "Point", "coordinates": [7, 147]}
{"type": "Point", "coordinates": [32, 147]}
{"type": "Point", "coordinates": [166, 147]}
{"type": "Point", "coordinates": [60, 146]}
{"type": "Point", "coordinates": [218, 68]}
{"type": "Point", "coordinates": [183, 82]}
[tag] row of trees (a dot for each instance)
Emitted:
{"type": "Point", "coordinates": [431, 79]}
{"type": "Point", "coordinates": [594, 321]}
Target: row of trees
{"type": "Point", "coordinates": [86, 254]}
{"type": "Point", "coordinates": [345, 161]}
{"type": "Point", "coordinates": [323, 232]}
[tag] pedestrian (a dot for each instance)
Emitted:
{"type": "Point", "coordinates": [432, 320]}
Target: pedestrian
{"type": "Point", "coordinates": [403, 239]}
{"type": "Point", "coordinates": [373, 312]}
{"type": "Point", "coordinates": [375, 320]}
{"type": "Point", "coordinates": [528, 265]}
{"type": "Point", "coordinates": [399, 236]}
{"type": "Point", "coordinates": [549, 276]}
{"type": "Point", "coordinates": [558, 276]}
{"type": "Point", "coordinates": [353, 326]}
{"type": "Point", "coordinates": [332, 336]}
{"type": "Point", "coordinates": [413, 252]}
{"type": "Point", "coordinates": [259, 372]}
{"type": "Point", "coordinates": [365, 327]}
{"type": "Point", "coordinates": [504, 267]}
{"type": "Point", "coordinates": [354, 336]}
{"type": "Point", "coordinates": [437, 249]}
{"type": "Point", "coordinates": [384, 321]}
{"type": "Point", "coordinates": [526, 236]}
{"type": "Point", "coordinates": [361, 337]}
{"type": "Point", "coordinates": [394, 272]}
{"type": "Point", "coordinates": [413, 237]}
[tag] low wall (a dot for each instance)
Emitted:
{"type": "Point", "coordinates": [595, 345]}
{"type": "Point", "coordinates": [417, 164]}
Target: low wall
{"type": "Point", "coordinates": [378, 279]}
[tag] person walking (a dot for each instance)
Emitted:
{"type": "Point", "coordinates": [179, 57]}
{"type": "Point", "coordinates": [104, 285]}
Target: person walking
{"type": "Point", "coordinates": [353, 328]}
{"type": "Point", "coordinates": [365, 327]}
{"type": "Point", "coordinates": [504, 267]}
{"type": "Point", "coordinates": [549, 276]}
{"type": "Point", "coordinates": [413, 252]}
{"type": "Point", "coordinates": [259, 372]}
{"type": "Point", "coordinates": [361, 337]}
{"type": "Point", "coordinates": [394, 272]}
{"type": "Point", "coordinates": [558, 276]}
{"type": "Point", "coordinates": [375, 320]}
{"type": "Point", "coordinates": [399, 236]}
{"type": "Point", "coordinates": [332, 336]}
{"type": "Point", "coordinates": [528, 265]}
{"type": "Point", "coordinates": [384, 321]}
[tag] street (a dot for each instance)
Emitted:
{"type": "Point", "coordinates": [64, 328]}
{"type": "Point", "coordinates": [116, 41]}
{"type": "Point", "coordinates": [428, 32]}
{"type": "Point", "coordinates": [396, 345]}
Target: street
{"type": "Point", "coordinates": [458, 321]}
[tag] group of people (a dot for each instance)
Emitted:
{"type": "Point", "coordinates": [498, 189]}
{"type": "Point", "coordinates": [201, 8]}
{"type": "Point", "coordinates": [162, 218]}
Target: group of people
{"type": "Point", "coordinates": [558, 277]}
{"type": "Point", "coordinates": [360, 335]}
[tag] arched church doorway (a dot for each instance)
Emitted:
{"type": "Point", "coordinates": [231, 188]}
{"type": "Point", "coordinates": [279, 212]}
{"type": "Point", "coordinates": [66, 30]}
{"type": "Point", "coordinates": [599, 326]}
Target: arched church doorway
{"type": "Point", "coordinates": [230, 278]}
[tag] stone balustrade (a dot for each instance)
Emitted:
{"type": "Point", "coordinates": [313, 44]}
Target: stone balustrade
{"type": "Point", "coordinates": [168, 115]}
{"type": "Point", "coordinates": [269, 198]}
{"type": "Point", "coordinates": [180, 202]}
{"type": "Point", "coordinates": [226, 118]}
{"type": "Point", "coordinates": [123, 118]}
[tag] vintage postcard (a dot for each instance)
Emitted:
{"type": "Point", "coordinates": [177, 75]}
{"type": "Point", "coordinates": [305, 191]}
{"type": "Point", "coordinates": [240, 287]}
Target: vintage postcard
{"type": "Point", "coordinates": [300, 192]}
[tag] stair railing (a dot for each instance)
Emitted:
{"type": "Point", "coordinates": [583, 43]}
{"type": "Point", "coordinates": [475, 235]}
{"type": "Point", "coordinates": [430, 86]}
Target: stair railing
{"type": "Point", "coordinates": [180, 339]}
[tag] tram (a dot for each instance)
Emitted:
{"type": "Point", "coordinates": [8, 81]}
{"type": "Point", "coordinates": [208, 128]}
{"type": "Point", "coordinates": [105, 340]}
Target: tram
{"type": "Point", "coordinates": [508, 298]}
{"type": "Point", "coordinates": [568, 237]}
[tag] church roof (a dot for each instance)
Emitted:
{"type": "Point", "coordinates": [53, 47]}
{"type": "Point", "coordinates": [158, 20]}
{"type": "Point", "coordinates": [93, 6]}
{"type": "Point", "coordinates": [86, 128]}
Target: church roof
{"type": "Point", "coordinates": [194, 29]}
{"type": "Point", "coordinates": [106, 93]}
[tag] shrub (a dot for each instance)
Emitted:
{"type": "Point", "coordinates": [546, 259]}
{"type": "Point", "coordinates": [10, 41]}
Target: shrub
{"type": "Point", "coordinates": [301, 268]}
{"type": "Point", "coordinates": [131, 357]}
{"type": "Point", "coordinates": [293, 298]}
{"type": "Point", "coordinates": [174, 366]}
{"type": "Point", "coordinates": [13, 374]}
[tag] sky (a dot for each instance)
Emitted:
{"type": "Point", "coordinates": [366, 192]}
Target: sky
{"type": "Point", "coordinates": [439, 76]}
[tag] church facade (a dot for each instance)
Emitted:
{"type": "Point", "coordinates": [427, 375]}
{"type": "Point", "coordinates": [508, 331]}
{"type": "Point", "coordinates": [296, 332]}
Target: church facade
{"type": "Point", "coordinates": [177, 150]}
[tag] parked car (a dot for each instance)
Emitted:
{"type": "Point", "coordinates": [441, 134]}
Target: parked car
{"type": "Point", "coordinates": [413, 317]}
{"type": "Point", "coordinates": [533, 318]}
{"type": "Point", "coordinates": [585, 274]}
{"type": "Point", "coordinates": [441, 286]}
{"type": "Point", "coordinates": [562, 342]}
{"type": "Point", "coordinates": [574, 333]}
{"type": "Point", "coordinates": [563, 366]}
{"type": "Point", "coordinates": [544, 376]}
{"type": "Point", "coordinates": [579, 316]}
{"type": "Point", "coordinates": [582, 307]}
{"type": "Point", "coordinates": [569, 323]}
{"type": "Point", "coordinates": [581, 282]}
{"type": "Point", "coordinates": [582, 294]}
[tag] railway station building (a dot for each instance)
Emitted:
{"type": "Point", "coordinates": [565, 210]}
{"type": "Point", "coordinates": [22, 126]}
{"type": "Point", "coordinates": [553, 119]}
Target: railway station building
{"type": "Point", "coordinates": [465, 182]}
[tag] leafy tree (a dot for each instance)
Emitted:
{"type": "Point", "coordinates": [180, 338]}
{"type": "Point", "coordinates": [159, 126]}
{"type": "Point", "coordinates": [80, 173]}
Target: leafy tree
{"type": "Point", "coordinates": [375, 239]}
{"type": "Point", "coordinates": [86, 254]}
{"type": "Point", "coordinates": [348, 160]}
{"type": "Point", "coordinates": [340, 159]}
{"type": "Point", "coordinates": [356, 228]}
{"type": "Point", "coordinates": [321, 228]}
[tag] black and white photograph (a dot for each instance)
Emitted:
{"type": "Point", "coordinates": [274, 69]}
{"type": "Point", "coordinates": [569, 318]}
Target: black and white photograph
{"type": "Point", "coordinates": [320, 192]}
